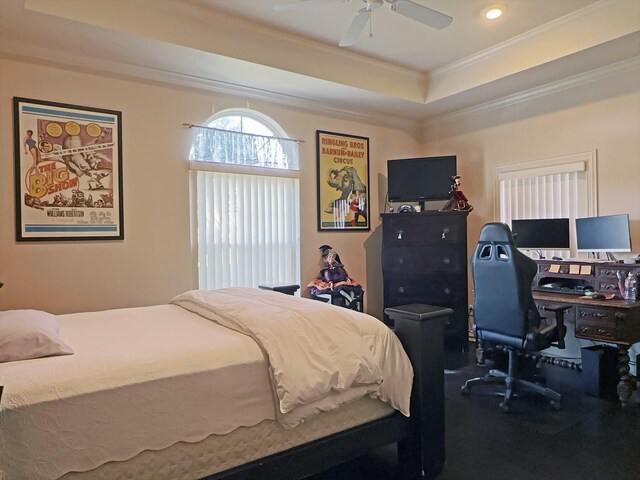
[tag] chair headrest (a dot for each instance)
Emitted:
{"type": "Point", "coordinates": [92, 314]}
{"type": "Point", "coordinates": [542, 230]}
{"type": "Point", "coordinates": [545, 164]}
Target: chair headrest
{"type": "Point", "coordinates": [496, 233]}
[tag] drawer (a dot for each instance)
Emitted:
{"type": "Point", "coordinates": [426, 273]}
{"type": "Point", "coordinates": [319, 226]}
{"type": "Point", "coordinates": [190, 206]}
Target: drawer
{"type": "Point", "coordinates": [608, 285]}
{"type": "Point", "coordinates": [610, 272]}
{"type": "Point", "coordinates": [428, 230]}
{"type": "Point", "coordinates": [423, 261]}
{"type": "Point", "coordinates": [444, 290]}
{"type": "Point", "coordinates": [596, 324]}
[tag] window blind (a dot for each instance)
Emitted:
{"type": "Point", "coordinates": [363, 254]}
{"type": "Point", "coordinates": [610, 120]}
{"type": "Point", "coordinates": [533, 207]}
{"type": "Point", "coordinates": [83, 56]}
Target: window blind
{"type": "Point", "coordinates": [247, 229]}
{"type": "Point", "coordinates": [559, 187]}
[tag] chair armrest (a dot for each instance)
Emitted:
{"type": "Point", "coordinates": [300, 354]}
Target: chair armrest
{"type": "Point", "coordinates": [559, 309]}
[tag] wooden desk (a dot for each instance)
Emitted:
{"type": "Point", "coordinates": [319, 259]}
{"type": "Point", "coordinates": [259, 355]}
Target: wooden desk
{"type": "Point", "coordinates": [610, 321]}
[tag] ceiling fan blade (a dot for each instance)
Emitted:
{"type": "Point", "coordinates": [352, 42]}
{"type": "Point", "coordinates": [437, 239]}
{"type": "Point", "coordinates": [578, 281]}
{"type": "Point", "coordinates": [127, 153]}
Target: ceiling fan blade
{"type": "Point", "coordinates": [421, 14]}
{"type": "Point", "coordinates": [282, 7]}
{"type": "Point", "coordinates": [357, 25]}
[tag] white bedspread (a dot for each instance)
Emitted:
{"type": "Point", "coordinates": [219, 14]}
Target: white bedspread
{"type": "Point", "coordinates": [315, 350]}
{"type": "Point", "coordinates": [145, 378]}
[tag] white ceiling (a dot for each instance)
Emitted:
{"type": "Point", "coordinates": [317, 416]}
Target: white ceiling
{"type": "Point", "coordinates": [407, 72]}
{"type": "Point", "coordinates": [400, 40]}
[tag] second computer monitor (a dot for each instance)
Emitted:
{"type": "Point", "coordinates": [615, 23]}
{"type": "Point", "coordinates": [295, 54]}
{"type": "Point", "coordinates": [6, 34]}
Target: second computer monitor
{"type": "Point", "coordinates": [542, 234]}
{"type": "Point", "coordinates": [608, 233]}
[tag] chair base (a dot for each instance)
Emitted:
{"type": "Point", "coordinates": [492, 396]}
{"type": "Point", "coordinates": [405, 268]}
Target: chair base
{"type": "Point", "coordinates": [513, 384]}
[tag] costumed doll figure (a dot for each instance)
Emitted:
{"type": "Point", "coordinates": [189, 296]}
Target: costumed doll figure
{"type": "Point", "coordinates": [334, 279]}
{"type": "Point", "coordinates": [457, 199]}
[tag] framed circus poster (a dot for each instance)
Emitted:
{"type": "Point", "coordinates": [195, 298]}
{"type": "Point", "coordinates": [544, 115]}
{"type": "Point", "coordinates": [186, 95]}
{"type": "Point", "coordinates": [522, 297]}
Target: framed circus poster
{"type": "Point", "coordinates": [343, 182]}
{"type": "Point", "coordinates": [68, 172]}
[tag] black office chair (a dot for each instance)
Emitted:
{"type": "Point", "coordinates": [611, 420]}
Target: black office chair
{"type": "Point", "coordinates": [505, 313]}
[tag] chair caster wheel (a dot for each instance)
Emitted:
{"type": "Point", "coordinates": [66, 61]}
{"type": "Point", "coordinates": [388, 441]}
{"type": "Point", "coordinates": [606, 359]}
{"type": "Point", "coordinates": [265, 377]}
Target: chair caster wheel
{"type": "Point", "coordinates": [464, 390]}
{"type": "Point", "coordinates": [505, 407]}
{"type": "Point", "coordinates": [556, 405]}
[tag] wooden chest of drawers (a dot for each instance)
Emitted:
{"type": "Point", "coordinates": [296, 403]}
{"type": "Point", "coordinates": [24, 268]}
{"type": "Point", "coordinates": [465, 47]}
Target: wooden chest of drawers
{"type": "Point", "coordinates": [424, 260]}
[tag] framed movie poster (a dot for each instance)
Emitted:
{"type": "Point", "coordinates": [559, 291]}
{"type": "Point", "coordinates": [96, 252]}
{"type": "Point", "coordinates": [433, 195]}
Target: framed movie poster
{"type": "Point", "coordinates": [68, 172]}
{"type": "Point", "coordinates": [343, 182]}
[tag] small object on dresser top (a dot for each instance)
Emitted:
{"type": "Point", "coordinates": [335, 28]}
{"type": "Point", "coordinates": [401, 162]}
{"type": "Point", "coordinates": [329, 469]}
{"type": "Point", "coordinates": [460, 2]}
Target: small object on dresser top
{"type": "Point", "coordinates": [598, 296]}
{"type": "Point", "coordinates": [631, 287]}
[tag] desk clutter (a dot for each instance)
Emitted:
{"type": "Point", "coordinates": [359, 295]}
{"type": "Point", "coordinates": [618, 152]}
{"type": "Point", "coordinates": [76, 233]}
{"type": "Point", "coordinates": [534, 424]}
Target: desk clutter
{"type": "Point", "coordinates": [587, 278]}
{"type": "Point", "coordinates": [604, 307]}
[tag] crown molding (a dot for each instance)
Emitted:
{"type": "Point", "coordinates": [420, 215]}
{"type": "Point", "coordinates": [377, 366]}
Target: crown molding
{"type": "Point", "coordinates": [121, 70]}
{"type": "Point", "coordinates": [483, 55]}
{"type": "Point", "coordinates": [574, 81]}
{"type": "Point", "coordinates": [196, 27]}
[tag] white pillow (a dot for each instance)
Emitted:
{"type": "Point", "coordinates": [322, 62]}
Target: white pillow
{"type": "Point", "coordinates": [26, 334]}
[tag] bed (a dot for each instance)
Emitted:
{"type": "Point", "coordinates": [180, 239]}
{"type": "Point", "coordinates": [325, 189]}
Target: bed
{"type": "Point", "coordinates": [225, 384]}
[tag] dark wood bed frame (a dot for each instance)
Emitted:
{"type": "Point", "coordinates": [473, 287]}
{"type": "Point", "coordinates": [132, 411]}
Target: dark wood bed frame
{"type": "Point", "coordinates": [420, 438]}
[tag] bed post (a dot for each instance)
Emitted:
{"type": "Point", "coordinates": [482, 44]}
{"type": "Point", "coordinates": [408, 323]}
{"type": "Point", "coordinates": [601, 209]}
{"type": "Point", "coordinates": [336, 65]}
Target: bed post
{"type": "Point", "coordinates": [420, 328]}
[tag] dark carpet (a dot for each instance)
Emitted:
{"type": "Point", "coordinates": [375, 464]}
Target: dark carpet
{"type": "Point", "coordinates": [528, 410]}
{"type": "Point", "coordinates": [589, 438]}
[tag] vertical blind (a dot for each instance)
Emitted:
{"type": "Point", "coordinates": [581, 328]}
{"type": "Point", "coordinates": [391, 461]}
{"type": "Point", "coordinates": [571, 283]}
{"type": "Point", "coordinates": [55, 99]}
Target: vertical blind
{"type": "Point", "coordinates": [247, 229]}
{"type": "Point", "coordinates": [560, 191]}
{"type": "Point", "coordinates": [247, 224]}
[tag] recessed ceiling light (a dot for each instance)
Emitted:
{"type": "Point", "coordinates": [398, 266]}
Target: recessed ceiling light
{"type": "Point", "coordinates": [493, 12]}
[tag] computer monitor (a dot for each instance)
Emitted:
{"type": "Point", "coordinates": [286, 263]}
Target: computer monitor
{"type": "Point", "coordinates": [542, 234]}
{"type": "Point", "coordinates": [609, 233]}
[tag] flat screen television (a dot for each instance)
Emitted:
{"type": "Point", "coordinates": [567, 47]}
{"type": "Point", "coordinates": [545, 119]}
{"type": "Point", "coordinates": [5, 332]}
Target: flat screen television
{"type": "Point", "coordinates": [542, 234]}
{"type": "Point", "coordinates": [609, 233]}
{"type": "Point", "coordinates": [420, 179]}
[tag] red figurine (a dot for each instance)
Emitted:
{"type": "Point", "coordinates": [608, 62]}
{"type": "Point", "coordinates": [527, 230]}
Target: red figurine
{"type": "Point", "coordinates": [457, 200]}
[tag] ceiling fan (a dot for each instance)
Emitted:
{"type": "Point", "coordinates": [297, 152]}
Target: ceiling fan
{"type": "Point", "coordinates": [407, 8]}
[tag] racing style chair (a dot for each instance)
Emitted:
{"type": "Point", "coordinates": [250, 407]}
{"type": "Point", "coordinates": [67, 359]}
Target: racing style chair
{"type": "Point", "coordinates": [505, 313]}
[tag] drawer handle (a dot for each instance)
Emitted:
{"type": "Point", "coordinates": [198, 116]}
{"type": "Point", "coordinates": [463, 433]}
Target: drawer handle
{"type": "Point", "coordinates": [400, 232]}
{"type": "Point", "coordinates": [445, 230]}
{"type": "Point", "coordinates": [592, 331]}
{"type": "Point", "coordinates": [446, 260]}
{"type": "Point", "coordinates": [593, 315]}
{"type": "Point", "coordinates": [401, 261]}
{"type": "Point", "coordinates": [447, 291]}
{"type": "Point", "coordinates": [401, 290]}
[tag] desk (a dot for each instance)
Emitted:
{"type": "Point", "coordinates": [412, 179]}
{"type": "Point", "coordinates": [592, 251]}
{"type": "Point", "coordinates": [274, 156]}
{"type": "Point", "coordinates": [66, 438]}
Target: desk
{"type": "Point", "coordinates": [609, 321]}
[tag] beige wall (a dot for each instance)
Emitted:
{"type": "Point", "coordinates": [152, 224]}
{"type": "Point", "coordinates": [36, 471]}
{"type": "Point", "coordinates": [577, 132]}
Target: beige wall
{"type": "Point", "coordinates": [603, 115]}
{"type": "Point", "coordinates": [155, 261]}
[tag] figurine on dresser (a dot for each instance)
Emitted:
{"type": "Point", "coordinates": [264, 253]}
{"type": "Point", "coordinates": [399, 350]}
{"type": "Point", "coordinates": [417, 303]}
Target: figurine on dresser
{"type": "Point", "coordinates": [457, 199]}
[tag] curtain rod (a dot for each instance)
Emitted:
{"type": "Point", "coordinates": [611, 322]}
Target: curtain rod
{"type": "Point", "coordinates": [191, 125]}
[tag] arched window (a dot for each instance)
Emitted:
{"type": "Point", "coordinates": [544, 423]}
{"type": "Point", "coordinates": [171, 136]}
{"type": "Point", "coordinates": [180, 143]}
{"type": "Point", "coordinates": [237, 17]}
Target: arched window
{"type": "Point", "coordinates": [246, 201]}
